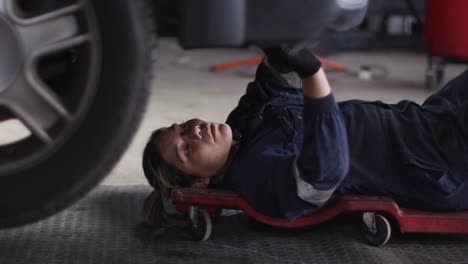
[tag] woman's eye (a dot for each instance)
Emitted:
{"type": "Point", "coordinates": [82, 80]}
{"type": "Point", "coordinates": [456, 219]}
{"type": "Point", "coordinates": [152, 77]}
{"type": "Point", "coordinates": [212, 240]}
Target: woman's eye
{"type": "Point", "coordinates": [187, 150]}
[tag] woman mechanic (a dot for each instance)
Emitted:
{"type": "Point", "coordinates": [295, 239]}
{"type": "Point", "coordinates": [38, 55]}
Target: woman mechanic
{"type": "Point", "coordinates": [288, 151]}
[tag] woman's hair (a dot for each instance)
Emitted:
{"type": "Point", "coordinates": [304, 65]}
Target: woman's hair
{"type": "Point", "coordinates": [163, 178]}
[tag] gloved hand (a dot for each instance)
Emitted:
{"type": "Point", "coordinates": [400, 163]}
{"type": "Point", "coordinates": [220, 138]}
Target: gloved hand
{"type": "Point", "coordinates": [299, 59]}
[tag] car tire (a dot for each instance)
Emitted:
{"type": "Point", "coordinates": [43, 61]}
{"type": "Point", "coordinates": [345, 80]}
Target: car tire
{"type": "Point", "coordinates": [84, 158]}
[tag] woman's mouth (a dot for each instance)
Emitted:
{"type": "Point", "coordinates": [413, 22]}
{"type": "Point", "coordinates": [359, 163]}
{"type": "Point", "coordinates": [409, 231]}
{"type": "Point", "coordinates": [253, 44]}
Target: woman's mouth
{"type": "Point", "coordinates": [213, 131]}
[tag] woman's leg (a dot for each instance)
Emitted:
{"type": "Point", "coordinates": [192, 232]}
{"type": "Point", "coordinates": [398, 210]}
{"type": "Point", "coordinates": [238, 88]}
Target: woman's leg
{"type": "Point", "coordinates": [448, 110]}
{"type": "Point", "coordinates": [461, 197]}
{"type": "Point", "coordinates": [452, 100]}
{"type": "Point", "coordinates": [455, 92]}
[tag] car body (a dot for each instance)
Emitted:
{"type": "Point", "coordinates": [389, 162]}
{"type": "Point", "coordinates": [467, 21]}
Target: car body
{"type": "Point", "coordinates": [237, 23]}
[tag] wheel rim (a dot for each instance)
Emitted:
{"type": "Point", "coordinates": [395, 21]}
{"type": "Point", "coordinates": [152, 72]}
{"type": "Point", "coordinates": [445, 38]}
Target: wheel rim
{"type": "Point", "coordinates": [208, 224]}
{"type": "Point", "coordinates": [377, 229]}
{"type": "Point", "coordinates": [49, 64]}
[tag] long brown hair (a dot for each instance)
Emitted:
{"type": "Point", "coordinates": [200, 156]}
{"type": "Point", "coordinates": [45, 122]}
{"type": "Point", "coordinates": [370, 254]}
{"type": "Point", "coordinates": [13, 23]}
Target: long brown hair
{"type": "Point", "coordinates": [163, 178]}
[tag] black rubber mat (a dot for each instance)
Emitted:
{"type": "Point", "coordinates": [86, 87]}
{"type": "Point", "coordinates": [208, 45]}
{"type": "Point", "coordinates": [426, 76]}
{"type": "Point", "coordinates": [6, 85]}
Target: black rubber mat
{"type": "Point", "coordinates": [104, 228]}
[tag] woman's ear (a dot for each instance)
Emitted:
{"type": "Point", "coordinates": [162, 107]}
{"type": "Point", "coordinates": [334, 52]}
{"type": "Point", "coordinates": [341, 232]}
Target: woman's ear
{"type": "Point", "coordinates": [201, 183]}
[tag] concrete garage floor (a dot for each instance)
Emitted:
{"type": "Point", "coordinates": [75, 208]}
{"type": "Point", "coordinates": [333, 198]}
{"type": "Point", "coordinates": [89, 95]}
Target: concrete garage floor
{"type": "Point", "coordinates": [104, 226]}
{"type": "Point", "coordinates": [184, 88]}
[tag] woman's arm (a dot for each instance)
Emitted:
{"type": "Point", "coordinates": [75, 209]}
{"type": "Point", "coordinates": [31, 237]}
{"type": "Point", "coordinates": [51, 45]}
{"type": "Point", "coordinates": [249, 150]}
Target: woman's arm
{"type": "Point", "coordinates": [261, 91]}
{"type": "Point", "coordinates": [316, 86]}
{"type": "Point", "coordinates": [323, 160]}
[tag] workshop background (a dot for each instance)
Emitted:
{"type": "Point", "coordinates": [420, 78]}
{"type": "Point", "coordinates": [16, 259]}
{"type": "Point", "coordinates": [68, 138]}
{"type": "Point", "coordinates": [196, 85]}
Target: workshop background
{"type": "Point", "coordinates": [401, 51]}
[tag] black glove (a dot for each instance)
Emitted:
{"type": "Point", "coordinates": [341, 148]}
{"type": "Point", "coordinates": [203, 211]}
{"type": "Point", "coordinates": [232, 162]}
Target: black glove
{"type": "Point", "coordinates": [298, 59]}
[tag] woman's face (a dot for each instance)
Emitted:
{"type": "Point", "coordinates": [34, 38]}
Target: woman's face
{"type": "Point", "coordinates": [196, 147]}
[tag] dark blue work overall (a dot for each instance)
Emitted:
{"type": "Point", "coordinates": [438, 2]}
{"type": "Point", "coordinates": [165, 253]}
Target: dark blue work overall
{"type": "Point", "coordinates": [294, 153]}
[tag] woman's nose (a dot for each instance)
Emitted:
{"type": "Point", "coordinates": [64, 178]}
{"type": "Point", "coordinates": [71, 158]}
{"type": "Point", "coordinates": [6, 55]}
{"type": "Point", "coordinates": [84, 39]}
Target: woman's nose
{"type": "Point", "coordinates": [195, 132]}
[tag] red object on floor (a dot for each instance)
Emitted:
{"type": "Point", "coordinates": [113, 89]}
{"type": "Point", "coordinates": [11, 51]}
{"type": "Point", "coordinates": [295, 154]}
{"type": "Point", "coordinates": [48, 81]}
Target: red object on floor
{"type": "Point", "coordinates": [257, 60]}
{"type": "Point", "coordinates": [446, 28]}
{"type": "Point", "coordinates": [410, 221]}
{"type": "Point", "coordinates": [235, 64]}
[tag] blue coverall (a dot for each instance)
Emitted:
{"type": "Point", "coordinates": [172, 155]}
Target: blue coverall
{"type": "Point", "coordinates": [293, 154]}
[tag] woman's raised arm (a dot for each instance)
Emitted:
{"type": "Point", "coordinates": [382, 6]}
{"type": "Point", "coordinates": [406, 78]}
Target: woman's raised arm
{"type": "Point", "coordinates": [316, 86]}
